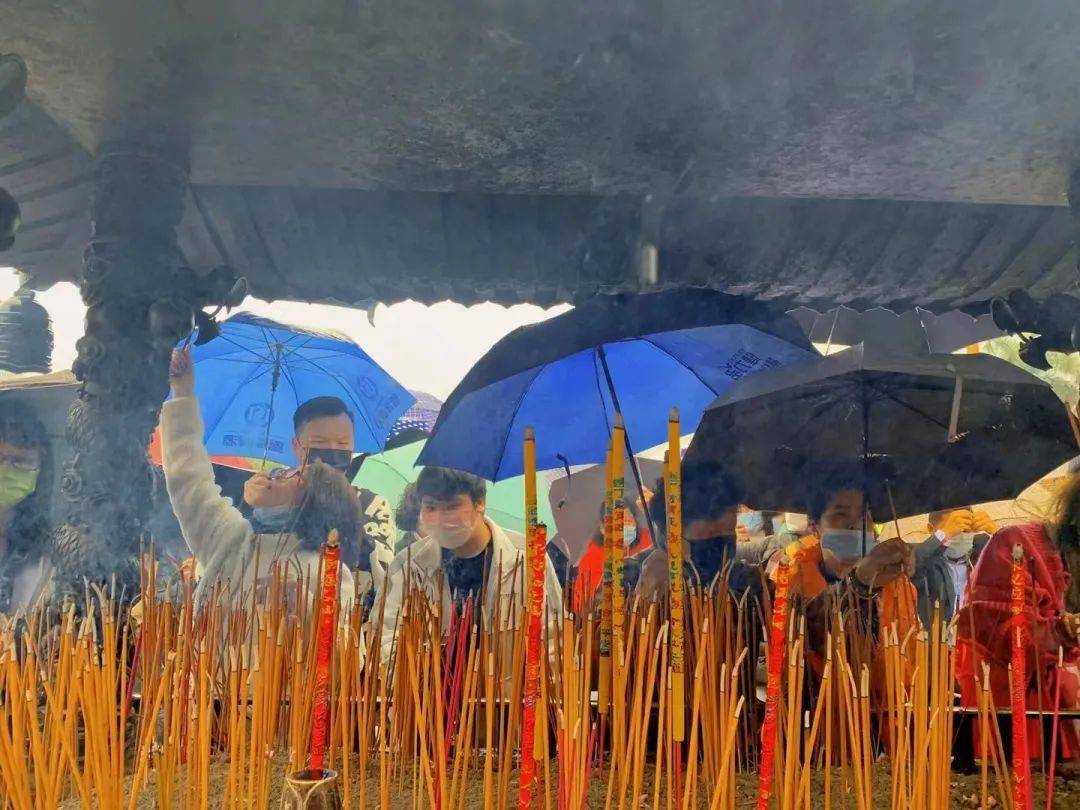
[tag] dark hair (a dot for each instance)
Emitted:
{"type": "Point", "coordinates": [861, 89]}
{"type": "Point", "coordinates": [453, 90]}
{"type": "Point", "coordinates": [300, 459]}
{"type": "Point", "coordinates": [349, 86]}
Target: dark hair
{"type": "Point", "coordinates": [29, 530]}
{"type": "Point", "coordinates": [825, 484]}
{"type": "Point", "coordinates": [1067, 538]}
{"type": "Point", "coordinates": [443, 484]}
{"type": "Point", "coordinates": [708, 491]}
{"type": "Point", "coordinates": [938, 515]}
{"type": "Point", "coordinates": [329, 502]}
{"type": "Point", "coordinates": [319, 408]}
{"type": "Point", "coordinates": [407, 514]}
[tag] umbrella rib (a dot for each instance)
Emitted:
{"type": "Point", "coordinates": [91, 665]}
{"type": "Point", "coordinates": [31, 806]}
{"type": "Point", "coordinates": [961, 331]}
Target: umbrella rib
{"type": "Point", "coordinates": [210, 429]}
{"type": "Point", "coordinates": [510, 425]}
{"type": "Point", "coordinates": [902, 404]}
{"type": "Point", "coordinates": [680, 362]}
{"type": "Point", "coordinates": [336, 378]}
{"type": "Point", "coordinates": [290, 349]}
{"type": "Point", "coordinates": [239, 346]}
{"type": "Point", "coordinates": [600, 390]}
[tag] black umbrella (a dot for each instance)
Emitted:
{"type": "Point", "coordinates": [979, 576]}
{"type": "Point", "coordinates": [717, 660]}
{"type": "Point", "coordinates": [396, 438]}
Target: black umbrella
{"type": "Point", "coordinates": [931, 431]}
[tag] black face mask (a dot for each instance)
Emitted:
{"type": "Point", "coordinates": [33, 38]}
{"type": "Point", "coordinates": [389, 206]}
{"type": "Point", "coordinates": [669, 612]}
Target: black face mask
{"type": "Point", "coordinates": [338, 459]}
{"type": "Point", "coordinates": [709, 555]}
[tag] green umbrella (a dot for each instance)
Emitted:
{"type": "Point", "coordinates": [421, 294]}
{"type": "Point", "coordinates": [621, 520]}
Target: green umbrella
{"type": "Point", "coordinates": [389, 472]}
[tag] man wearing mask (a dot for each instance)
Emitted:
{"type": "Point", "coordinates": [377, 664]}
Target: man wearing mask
{"type": "Point", "coordinates": [460, 553]}
{"type": "Point", "coordinates": [945, 558]}
{"type": "Point", "coordinates": [710, 504]}
{"type": "Point", "coordinates": [294, 513]}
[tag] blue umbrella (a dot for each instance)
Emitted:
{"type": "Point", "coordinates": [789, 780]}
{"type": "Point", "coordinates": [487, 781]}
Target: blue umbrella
{"type": "Point", "coordinates": [253, 376]}
{"type": "Point", "coordinates": [638, 354]}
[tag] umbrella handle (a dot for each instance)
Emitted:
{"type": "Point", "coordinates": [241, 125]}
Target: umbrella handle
{"type": "Point", "coordinates": [566, 466]}
{"type": "Point", "coordinates": [274, 380]}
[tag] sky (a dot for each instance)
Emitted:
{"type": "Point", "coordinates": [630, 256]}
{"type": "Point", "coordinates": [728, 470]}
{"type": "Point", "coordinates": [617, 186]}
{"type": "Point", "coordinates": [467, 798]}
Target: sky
{"type": "Point", "coordinates": [426, 348]}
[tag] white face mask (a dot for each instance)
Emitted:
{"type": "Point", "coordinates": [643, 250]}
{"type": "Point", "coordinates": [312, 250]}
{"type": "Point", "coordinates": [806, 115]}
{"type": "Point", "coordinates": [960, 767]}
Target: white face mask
{"type": "Point", "coordinates": [451, 530]}
{"type": "Point", "coordinates": [960, 546]}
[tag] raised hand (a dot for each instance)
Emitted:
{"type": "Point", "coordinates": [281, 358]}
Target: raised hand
{"type": "Point", "coordinates": [182, 373]}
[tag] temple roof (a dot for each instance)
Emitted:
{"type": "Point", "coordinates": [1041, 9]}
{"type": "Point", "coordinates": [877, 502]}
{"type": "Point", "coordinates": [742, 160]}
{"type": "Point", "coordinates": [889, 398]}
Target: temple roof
{"type": "Point", "coordinates": [896, 153]}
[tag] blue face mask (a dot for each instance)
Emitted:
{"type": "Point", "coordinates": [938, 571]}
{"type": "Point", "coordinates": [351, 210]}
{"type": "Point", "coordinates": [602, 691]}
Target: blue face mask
{"type": "Point", "coordinates": [753, 522]}
{"type": "Point", "coordinates": [846, 544]}
{"type": "Point", "coordinates": [271, 518]}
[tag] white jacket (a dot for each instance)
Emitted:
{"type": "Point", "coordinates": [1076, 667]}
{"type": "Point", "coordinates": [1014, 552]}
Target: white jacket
{"type": "Point", "coordinates": [424, 560]}
{"type": "Point", "coordinates": [219, 536]}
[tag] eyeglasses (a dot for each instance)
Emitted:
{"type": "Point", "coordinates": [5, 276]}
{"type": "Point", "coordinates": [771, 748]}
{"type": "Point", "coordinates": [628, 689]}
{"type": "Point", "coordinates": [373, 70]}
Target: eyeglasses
{"type": "Point", "coordinates": [283, 473]}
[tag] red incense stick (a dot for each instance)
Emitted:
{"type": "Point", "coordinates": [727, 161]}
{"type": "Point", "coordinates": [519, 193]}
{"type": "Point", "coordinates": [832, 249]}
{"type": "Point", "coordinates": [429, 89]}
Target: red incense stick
{"type": "Point", "coordinates": [320, 721]}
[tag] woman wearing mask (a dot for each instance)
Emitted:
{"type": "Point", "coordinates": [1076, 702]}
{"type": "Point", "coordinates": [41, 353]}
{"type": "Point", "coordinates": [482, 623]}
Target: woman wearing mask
{"type": "Point", "coordinates": [25, 483]}
{"type": "Point", "coordinates": [841, 564]}
{"type": "Point", "coordinates": [294, 515]}
{"type": "Point", "coordinates": [1051, 575]}
{"type": "Point", "coordinates": [841, 546]}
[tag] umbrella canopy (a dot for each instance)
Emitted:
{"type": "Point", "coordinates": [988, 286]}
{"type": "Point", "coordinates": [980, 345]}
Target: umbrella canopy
{"type": "Point", "coordinates": [389, 472]}
{"type": "Point", "coordinates": [1039, 501]}
{"type": "Point", "coordinates": [418, 421]}
{"type": "Point", "coordinates": [638, 354]}
{"type": "Point", "coordinates": [252, 377]}
{"type": "Point", "coordinates": [937, 431]}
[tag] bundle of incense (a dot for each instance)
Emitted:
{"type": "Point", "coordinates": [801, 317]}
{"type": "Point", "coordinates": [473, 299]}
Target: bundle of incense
{"type": "Point", "coordinates": [532, 664]}
{"type": "Point", "coordinates": [675, 574]}
{"type": "Point", "coordinates": [1022, 796]}
{"type": "Point", "coordinates": [320, 723]}
{"type": "Point", "coordinates": [777, 632]}
{"type": "Point", "coordinates": [229, 689]}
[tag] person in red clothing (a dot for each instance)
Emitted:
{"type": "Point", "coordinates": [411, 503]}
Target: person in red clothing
{"type": "Point", "coordinates": [984, 624]}
{"type": "Point", "coordinates": [590, 569]}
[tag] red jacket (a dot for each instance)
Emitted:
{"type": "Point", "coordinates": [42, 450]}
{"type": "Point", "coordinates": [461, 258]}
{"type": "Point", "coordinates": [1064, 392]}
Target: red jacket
{"type": "Point", "coordinates": [984, 627]}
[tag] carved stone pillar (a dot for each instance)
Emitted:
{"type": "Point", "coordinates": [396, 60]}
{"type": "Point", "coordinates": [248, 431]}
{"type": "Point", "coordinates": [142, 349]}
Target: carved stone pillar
{"type": "Point", "coordinates": [139, 298]}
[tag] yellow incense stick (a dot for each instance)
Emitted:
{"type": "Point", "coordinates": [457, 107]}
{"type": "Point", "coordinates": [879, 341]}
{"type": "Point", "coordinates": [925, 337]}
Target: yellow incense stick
{"type": "Point", "coordinates": [603, 699]}
{"type": "Point", "coordinates": [675, 574]}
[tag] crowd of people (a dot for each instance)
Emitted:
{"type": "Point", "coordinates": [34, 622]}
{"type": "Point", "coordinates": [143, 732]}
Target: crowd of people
{"type": "Point", "coordinates": [438, 537]}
